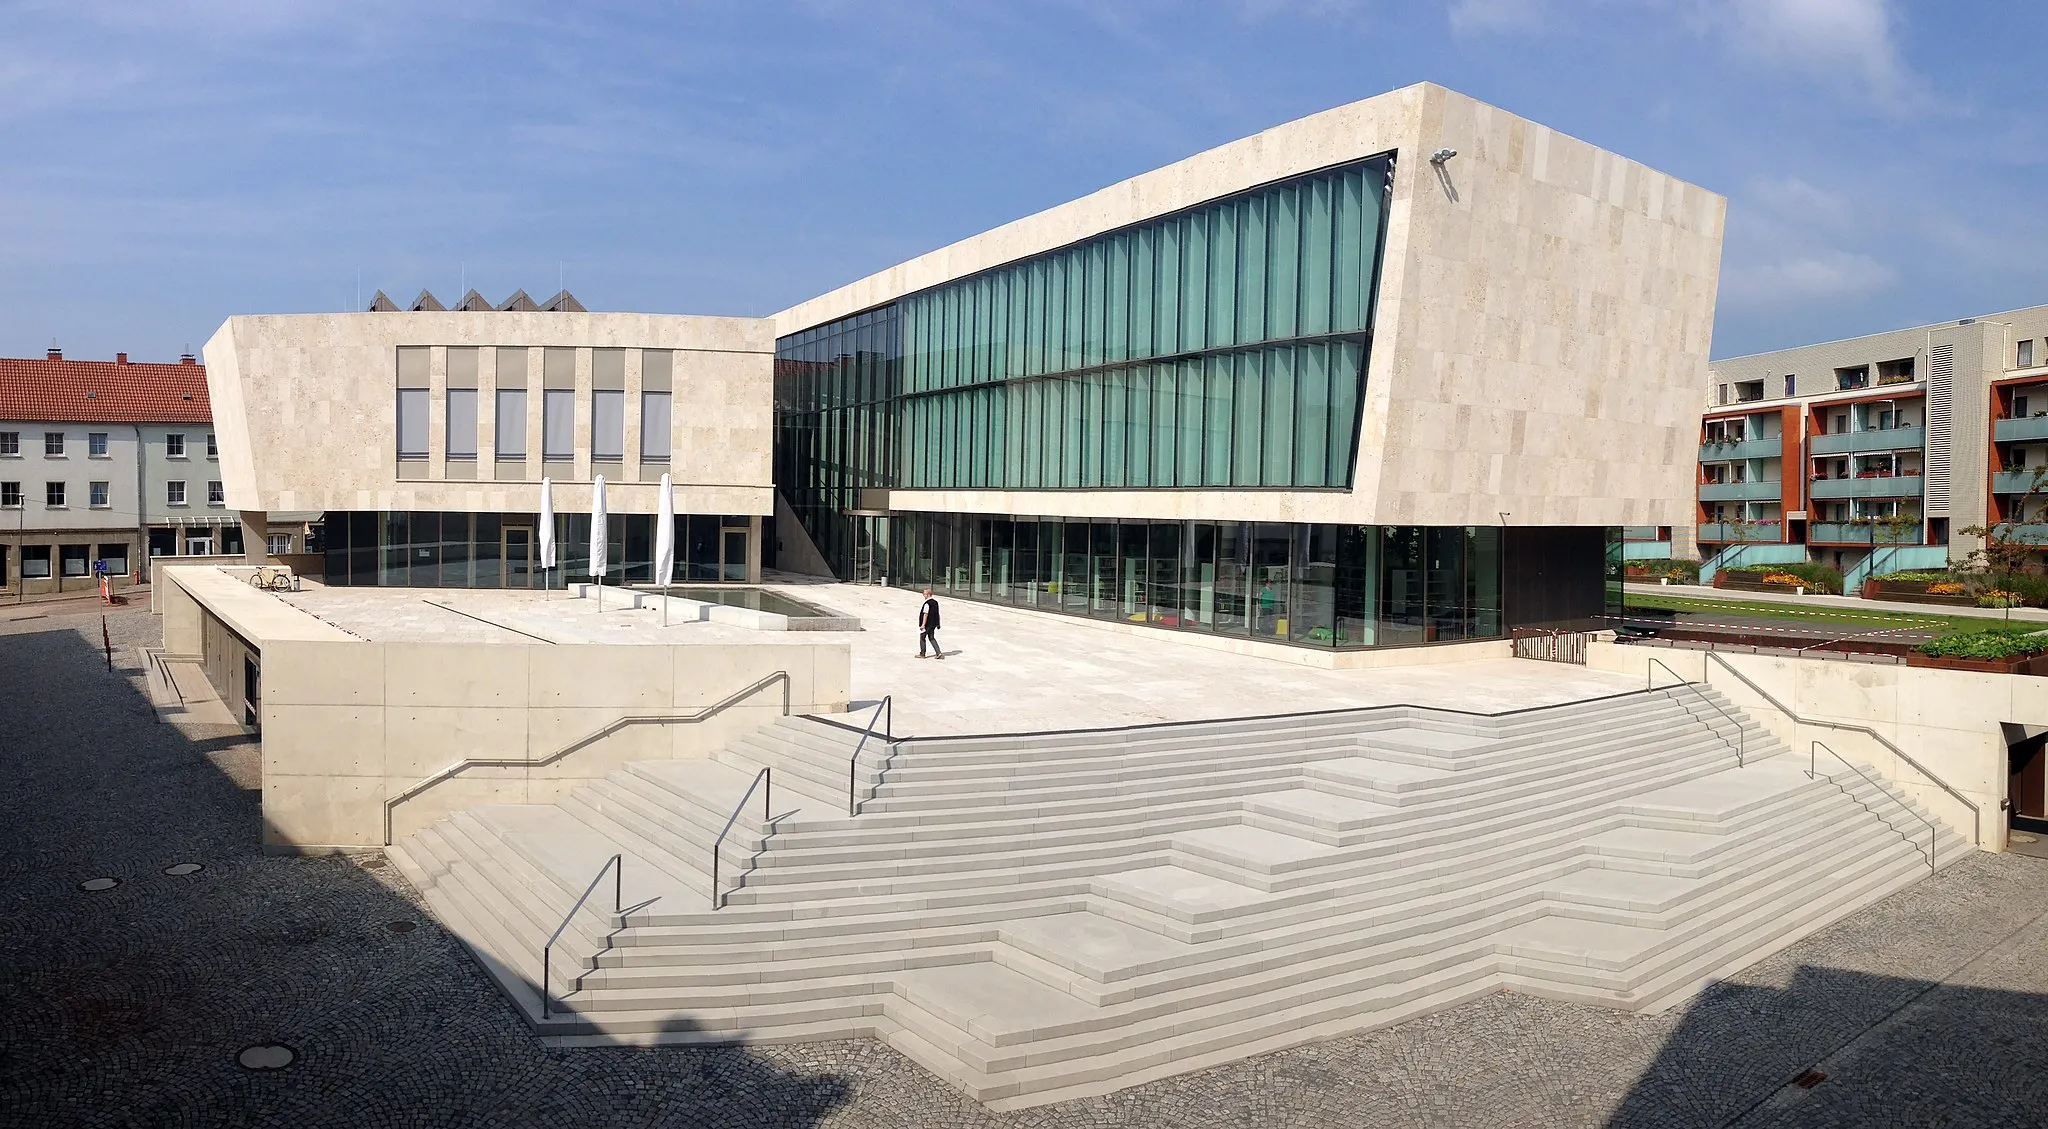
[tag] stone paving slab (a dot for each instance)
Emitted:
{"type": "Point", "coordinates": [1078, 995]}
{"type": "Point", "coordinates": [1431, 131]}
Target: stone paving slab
{"type": "Point", "coordinates": [127, 1007]}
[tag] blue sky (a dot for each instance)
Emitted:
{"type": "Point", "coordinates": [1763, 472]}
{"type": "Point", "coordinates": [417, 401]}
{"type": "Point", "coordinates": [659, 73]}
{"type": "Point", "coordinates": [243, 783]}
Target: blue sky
{"type": "Point", "coordinates": [173, 162]}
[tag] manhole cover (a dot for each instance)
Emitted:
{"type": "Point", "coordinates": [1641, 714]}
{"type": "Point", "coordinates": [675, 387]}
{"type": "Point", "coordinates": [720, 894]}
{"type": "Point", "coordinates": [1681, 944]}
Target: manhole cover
{"type": "Point", "coordinates": [401, 926]}
{"type": "Point", "coordinates": [267, 1056]}
{"type": "Point", "coordinates": [183, 868]}
{"type": "Point", "coordinates": [95, 885]}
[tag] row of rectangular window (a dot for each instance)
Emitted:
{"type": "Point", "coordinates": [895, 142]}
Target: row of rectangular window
{"type": "Point", "coordinates": [55, 494]}
{"type": "Point", "coordinates": [558, 424]}
{"type": "Point", "coordinates": [72, 560]}
{"type": "Point", "coordinates": [96, 445]}
{"type": "Point", "coordinates": [558, 367]}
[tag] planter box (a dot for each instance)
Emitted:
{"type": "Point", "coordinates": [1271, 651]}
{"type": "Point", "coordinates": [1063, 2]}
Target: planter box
{"type": "Point", "coordinates": [2036, 665]}
{"type": "Point", "coordinates": [1913, 592]}
{"type": "Point", "coordinates": [1749, 582]}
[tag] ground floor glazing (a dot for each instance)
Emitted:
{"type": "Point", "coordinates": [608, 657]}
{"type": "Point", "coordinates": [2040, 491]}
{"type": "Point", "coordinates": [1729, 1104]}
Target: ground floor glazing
{"type": "Point", "coordinates": [442, 549]}
{"type": "Point", "coordinates": [1332, 586]}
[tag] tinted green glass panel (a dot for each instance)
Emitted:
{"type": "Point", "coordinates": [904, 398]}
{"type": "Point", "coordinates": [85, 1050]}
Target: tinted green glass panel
{"type": "Point", "coordinates": [1193, 390]}
{"type": "Point", "coordinates": [1312, 416]}
{"type": "Point", "coordinates": [1223, 277]}
{"type": "Point", "coordinates": [1194, 281]}
{"type": "Point", "coordinates": [1138, 405]}
{"type": "Point", "coordinates": [1250, 401]}
{"type": "Point", "coordinates": [1218, 421]}
{"type": "Point", "coordinates": [1115, 424]}
{"type": "Point", "coordinates": [1279, 444]}
{"type": "Point", "coordinates": [1166, 293]}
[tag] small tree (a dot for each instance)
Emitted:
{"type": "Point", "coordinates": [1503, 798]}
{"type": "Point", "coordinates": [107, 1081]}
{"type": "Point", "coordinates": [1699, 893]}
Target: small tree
{"type": "Point", "coordinates": [2005, 550]}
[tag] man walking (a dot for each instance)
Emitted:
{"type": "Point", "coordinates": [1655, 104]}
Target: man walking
{"type": "Point", "coordinates": [928, 626]}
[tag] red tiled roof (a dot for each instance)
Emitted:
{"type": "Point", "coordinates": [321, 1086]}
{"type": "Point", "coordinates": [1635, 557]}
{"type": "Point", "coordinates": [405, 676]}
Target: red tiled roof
{"type": "Point", "coordinates": [60, 391]}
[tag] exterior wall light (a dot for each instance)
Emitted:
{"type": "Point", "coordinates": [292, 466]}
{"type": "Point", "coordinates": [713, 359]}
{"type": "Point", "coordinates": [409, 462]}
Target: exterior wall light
{"type": "Point", "coordinates": [1441, 155]}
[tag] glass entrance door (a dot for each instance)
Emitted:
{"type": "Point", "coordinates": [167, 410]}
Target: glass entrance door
{"type": "Point", "coordinates": [735, 568]}
{"type": "Point", "coordinates": [516, 545]}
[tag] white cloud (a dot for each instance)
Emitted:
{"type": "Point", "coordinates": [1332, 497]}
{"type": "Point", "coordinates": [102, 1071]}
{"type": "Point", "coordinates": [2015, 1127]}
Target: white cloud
{"type": "Point", "coordinates": [1839, 42]}
{"type": "Point", "coordinates": [1469, 16]}
{"type": "Point", "coordinates": [1820, 276]}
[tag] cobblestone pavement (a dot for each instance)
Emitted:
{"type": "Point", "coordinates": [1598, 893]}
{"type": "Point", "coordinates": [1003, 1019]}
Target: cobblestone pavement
{"type": "Point", "coordinates": [127, 1007]}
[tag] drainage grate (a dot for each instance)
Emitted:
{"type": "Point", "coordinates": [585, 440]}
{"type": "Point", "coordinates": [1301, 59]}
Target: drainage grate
{"type": "Point", "coordinates": [1809, 1080]}
{"type": "Point", "coordinates": [95, 885]}
{"type": "Point", "coordinates": [267, 1056]}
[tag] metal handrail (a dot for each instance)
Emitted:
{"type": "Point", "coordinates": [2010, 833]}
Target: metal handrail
{"type": "Point", "coordinates": [717, 899]}
{"type": "Point", "coordinates": [1976, 816]}
{"type": "Point", "coordinates": [1813, 770]}
{"type": "Point", "coordinates": [853, 762]}
{"type": "Point", "coordinates": [1741, 734]}
{"type": "Point", "coordinates": [615, 863]}
{"type": "Point", "coordinates": [601, 733]}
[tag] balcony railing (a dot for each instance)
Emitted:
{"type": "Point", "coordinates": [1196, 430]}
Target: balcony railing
{"type": "Point", "coordinates": [1874, 439]}
{"type": "Point", "coordinates": [1734, 450]}
{"type": "Point", "coordinates": [1881, 486]}
{"type": "Point", "coordinates": [2032, 533]}
{"type": "Point", "coordinates": [2012, 481]}
{"type": "Point", "coordinates": [1741, 491]}
{"type": "Point", "coordinates": [1858, 533]}
{"type": "Point", "coordinates": [1726, 531]}
{"type": "Point", "coordinates": [1642, 533]}
{"type": "Point", "coordinates": [2020, 427]}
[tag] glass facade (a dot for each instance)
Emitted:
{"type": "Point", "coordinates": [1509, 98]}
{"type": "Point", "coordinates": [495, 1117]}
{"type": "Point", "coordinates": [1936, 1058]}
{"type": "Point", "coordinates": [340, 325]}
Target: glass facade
{"type": "Point", "coordinates": [1338, 586]}
{"type": "Point", "coordinates": [1221, 346]}
{"type": "Point", "coordinates": [439, 549]}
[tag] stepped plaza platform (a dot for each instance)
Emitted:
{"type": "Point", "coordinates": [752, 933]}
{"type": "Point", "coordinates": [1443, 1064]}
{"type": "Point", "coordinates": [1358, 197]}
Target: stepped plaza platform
{"type": "Point", "coordinates": [1008, 670]}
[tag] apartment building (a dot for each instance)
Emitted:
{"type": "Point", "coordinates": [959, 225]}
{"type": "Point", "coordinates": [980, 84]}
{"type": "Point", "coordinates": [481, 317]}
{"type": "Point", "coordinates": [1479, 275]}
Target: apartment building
{"type": "Point", "coordinates": [1877, 452]}
{"type": "Point", "coordinates": [102, 465]}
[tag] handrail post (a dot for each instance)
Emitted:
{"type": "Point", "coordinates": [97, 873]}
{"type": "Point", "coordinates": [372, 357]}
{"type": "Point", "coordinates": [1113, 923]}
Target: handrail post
{"type": "Point", "coordinates": [765, 780]}
{"type": "Point", "coordinates": [547, 951]}
{"type": "Point", "coordinates": [886, 705]}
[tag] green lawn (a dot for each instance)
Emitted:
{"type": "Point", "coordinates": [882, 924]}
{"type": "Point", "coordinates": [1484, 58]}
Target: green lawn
{"type": "Point", "coordinates": [1820, 617]}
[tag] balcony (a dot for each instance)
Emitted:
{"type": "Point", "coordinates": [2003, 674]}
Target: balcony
{"type": "Point", "coordinates": [1765, 491]}
{"type": "Point", "coordinates": [1881, 486]}
{"type": "Point", "coordinates": [1726, 451]}
{"type": "Point", "coordinates": [1641, 533]}
{"type": "Point", "coordinates": [2032, 533]}
{"type": "Point", "coordinates": [1858, 533]}
{"type": "Point", "coordinates": [2012, 481]}
{"type": "Point", "coordinates": [1876, 439]}
{"type": "Point", "coordinates": [1718, 532]}
{"type": "Point", "coordinates": [2020, 427]}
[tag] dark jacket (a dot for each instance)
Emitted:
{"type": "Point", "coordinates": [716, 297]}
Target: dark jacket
{"type": "Point", "coordinates": [928, 615]}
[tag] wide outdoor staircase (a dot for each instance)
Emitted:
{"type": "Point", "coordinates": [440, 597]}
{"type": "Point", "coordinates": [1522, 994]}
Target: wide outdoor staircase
{"type": "Point", "coordinates": [1044, 916]}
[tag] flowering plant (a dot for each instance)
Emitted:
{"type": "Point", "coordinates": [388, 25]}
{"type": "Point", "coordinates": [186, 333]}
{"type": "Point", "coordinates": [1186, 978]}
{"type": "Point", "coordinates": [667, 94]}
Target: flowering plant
{"type": "Point", "coordinates": [1786, 579]}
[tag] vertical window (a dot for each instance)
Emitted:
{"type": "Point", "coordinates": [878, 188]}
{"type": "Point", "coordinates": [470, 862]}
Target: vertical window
{"type": "Point", "coordinates": [53, 444]}
{"type": "Point", "coordinates": [75, 558]}
{"type": "Point", "coordinates": [97, 492]}
{"type": "Point", "coordinates": [412, 423]}
{"type": "Point", "coordinates": [278, 544]}
{"type": "Point", "coordinates": [53, 495]}
{"type": "Point", "coordinates": [10, 444]}
{"type": "Point", "coordinates": [558, 423]}
{"type": "Point", "coordinates": [174, 445]}
{"type": "Point", "coordinates": [511, 424]}
{"type": "Point", "coordinates": [654, 427]}
{"type": "Point", "coordinates": [2025, 357]}
{"type": "Point", "coordinates": [1789, 379]}
{"type": "Point", "coordinates": [35, 562]}
{"type": "Point", "coordinates": [607, 424]}
{"type": "Point", "coordinates": [212, 446]}
{"type": "Point", "coordinates": [96, 444]}
{"type": "Point", "coordinates": [174, 492]}
{"type": "Point", "coordinates": [462, 423]}
{"type": "Point", "coordinates": [216, 495]}
{"type": "Point", "coordinates": [10, 495]}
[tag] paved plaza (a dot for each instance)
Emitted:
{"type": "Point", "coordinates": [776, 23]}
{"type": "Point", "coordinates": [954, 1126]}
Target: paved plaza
{"type": "Point", "coordinates": [1007, 670]}
{"type": "Point", "coordinates": [128, 1006]}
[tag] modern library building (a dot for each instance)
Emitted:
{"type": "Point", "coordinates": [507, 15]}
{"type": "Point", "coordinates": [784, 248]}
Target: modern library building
{"type": "Point", "coordinates": [1396, 373]}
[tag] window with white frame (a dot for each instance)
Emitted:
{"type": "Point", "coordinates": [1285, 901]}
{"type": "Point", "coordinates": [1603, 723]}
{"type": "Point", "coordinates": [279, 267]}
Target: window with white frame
{"type": "Point", "coordinates": [53, 495]}
{"type": "Point", "coordinates": [216, 495]}
{"type": "Point", "coordinates": [174, 445]}
{"type": "Point", "coordinates": [10, 444]}
{"type": "Point", "coordinates": [212, 447]}
{"type": "Point", "coordinates": [53, 444]}
{"type": "Point", "coordinates": [279, 544]}
{"type": "Point", "coordinates": [35, 562]}
{"type": "Point", "coordinates": [2025, 355]}
{"type": "Point", "coordinates": [97, 492]}
{"type": "Point", "coordinates": [174, 492]}
{"type": "Point", "coordinates": [96, 444]}
{"type": "Point", "coordinates": [10, 495]}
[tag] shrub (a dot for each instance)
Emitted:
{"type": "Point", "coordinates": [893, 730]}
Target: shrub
{"type": "Point", "coordinates": [1987, 645]}
{"type": "Point", "coordinates": [1915, 577]}
{"type": "Point", "coordinates": [1683, 572]}
{"type": "Point", "coordinates": [2030, 589]}
{"type": "Point", "coordinates": [1998, 598]}
{"type": "Point", "coordinates": [1815, 576]}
